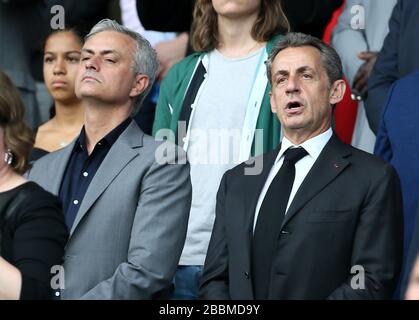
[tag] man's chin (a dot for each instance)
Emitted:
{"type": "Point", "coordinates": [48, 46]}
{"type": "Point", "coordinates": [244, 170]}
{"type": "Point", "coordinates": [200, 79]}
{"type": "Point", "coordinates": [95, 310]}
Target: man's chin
{"type": "Point", "coordinates": [295, 125]}
{"type": "Point", "coordinates": [83, 94]}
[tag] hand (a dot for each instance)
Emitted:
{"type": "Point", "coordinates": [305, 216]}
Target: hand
{"type": "Point", "coordinates": [360, 84]}
{"type": "Point", "coordinates": [170, 52]}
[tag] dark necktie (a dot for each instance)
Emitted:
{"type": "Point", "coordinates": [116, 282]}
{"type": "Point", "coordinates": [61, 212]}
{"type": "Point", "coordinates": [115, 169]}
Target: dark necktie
{"type": "Point", "coordinates": [269, 221]}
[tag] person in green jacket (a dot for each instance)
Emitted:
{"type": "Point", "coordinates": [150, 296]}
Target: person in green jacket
{"type": "Point", "coordinates": [215, 104]}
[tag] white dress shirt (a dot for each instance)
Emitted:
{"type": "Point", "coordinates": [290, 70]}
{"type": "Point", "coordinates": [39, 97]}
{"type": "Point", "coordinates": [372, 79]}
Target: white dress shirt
{"type": "Point", "coordinates": [314, 147]}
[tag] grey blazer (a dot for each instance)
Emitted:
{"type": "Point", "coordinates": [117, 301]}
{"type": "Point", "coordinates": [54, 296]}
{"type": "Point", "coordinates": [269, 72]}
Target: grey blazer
{"type": "Point", "coordinates": [129, 232]}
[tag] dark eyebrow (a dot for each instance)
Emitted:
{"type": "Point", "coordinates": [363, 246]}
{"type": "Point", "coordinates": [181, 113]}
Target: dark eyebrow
{"type": "Point", "coordinates": [299, 71]}
{"type": "Point", "coordinates": [102, 53]}
{"type": "Point", "coordinates": [87, 51]}
{"type": "Point", "coordinates": [281, 73]}
{"type": "Point", "coordinates": [73, 51]}
{"type": "Point", "coordinates": [304, 69]}
{"type": "Point", "coordinates": [66, 53]}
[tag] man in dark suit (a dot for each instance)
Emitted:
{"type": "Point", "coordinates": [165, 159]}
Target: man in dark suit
{"type": "Point", "coordinates": [397, 144]}
{"type": "Point", "coordinates": [323, 220]}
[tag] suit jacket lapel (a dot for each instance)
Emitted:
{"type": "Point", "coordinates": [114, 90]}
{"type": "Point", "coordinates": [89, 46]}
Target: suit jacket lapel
{"type": "Point", "coordinates": [121, 153]}
{"type": "Point", "coordinates": [330, 163]}
{"type": "Point", "coordinates": [251, 197]}
{"type": "Point", "coordinates": [58, 166]}
{"type": "Point", "coordinates": [254, 189]}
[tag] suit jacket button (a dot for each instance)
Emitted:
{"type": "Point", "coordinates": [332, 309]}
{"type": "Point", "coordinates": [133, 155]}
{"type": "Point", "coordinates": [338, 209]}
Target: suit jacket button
{"type": "Point", "coordinates": [246, 275]}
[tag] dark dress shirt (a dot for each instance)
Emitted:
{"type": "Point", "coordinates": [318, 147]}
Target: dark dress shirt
{"type": "Point", "coordinates": [81, 169]}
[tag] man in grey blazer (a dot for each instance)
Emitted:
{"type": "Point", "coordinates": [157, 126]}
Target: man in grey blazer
{"type": "Point", "coordinates": [126, 198]}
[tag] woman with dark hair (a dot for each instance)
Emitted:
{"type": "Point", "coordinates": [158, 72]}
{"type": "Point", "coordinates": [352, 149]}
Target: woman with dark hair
{"type": "Point", "coordinates": [32, 228]}
{"type": "Point", "coordinates": [61, 61]}
{"type": "Point", "coordinates": [219, 96]}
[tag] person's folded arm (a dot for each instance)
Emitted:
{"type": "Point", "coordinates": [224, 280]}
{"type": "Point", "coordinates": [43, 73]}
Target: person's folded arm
{"type": "Point", "coordinates": [378, 243]}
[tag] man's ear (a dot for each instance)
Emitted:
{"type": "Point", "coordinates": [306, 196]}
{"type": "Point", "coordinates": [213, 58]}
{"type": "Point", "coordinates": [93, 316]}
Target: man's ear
{"type": "Point", "coordinates": [337, 91]}
{"type": "Point", "coordinates": [273, 104]}
{"type": "Point", "coordinates": [140, 84]}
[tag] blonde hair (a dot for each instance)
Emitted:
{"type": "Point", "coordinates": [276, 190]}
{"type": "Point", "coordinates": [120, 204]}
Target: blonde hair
{"type": "Point", "coordinates": [204, 36]}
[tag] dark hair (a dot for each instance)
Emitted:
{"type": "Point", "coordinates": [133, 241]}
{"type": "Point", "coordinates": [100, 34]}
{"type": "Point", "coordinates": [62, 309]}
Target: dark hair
{"type": "Point", "coordinates": [74, 31]}
{"type": "Point", "coordinates": [17, 135]}
{"type": "Point", "coordinates": [330, 58]}
{"type": "Point", "coordinates": [204, 35]}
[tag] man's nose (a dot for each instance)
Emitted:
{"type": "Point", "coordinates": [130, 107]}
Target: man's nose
{"type": "Point", "coordinates": [93, 64]}
{"type": "Point", "coordinates": [293, 85]}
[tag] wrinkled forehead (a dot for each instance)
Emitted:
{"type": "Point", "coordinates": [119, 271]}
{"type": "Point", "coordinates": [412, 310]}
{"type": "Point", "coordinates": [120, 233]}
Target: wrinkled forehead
{"type": "Point", "coordinates": [296, 58]}
{"type": "Point", "coordinates": [110, 41]}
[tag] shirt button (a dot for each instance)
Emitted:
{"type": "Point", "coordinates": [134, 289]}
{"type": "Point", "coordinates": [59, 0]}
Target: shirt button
{"type": "Point", "coordinates": [85, 174]}
{"type": "Point", "coordinates": [246, 275]}
{"type": "Point", "coordinates": [76, 201]}
{"type": "Point", "coordinates": [57, 294]}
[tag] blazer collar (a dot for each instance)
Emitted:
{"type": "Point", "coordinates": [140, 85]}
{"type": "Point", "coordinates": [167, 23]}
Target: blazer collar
{"type": "Point", "coordinates": [330, 163]}
{"type": "Point", "coordinates": [123, 151]}
{"type": "Point", "coordinates": [58, 165]}
{"type": "Point", "coordinates": [251, 193]}
{"type": "Point", "coordinates": [254, 186]}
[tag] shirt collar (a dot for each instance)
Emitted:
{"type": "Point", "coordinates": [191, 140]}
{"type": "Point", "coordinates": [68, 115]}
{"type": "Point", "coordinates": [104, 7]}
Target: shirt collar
{"type": "Point", "coordinates": [112, 136]}
{"type": "Point", "coordinates": [313, 146]}
{"type": "Point", "coordinates": [109, 139]}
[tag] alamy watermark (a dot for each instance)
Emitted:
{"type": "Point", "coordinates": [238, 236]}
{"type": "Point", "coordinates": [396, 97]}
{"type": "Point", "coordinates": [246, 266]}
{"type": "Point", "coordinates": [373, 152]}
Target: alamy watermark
{"type": "Point", "coordinates": [358, 17]}
{"type": "Point", "coordinates": [58, 279]}
{"type": "Point", "coordinates": [58, 20]}
{"type": "Point", "coordinates": [209, 147]}
{"type": "Point", "coordinates": [358, 279]}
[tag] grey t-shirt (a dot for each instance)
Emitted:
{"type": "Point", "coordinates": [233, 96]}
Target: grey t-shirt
{"type": "Point", "coordinates": [214, 142]}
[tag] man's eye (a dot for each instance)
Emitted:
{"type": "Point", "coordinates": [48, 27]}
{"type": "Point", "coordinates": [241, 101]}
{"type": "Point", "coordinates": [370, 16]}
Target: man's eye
{"type": "Point", "coordinates": [48, 59]}
{"type": "Point", "coordinates": [84, 58]}
{"type": "Point", "coordinates": [110, 60]}
{"type": "Point", "coordinates": [307, 76]}
{"type": "Point", "coordinates": [280, 80]}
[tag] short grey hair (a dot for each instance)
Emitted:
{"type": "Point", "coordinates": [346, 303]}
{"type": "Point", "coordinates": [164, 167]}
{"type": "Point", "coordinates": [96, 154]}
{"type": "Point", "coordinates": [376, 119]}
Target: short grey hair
{"type": "Point", "coordinates": [330, 58]}
{"type": "Point", "coordinates": [145, 57]}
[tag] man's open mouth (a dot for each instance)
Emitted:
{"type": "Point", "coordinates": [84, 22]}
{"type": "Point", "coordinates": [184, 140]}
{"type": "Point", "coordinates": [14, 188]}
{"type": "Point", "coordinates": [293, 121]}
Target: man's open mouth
{"type": "Point", "coordinates": [293, 105]}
